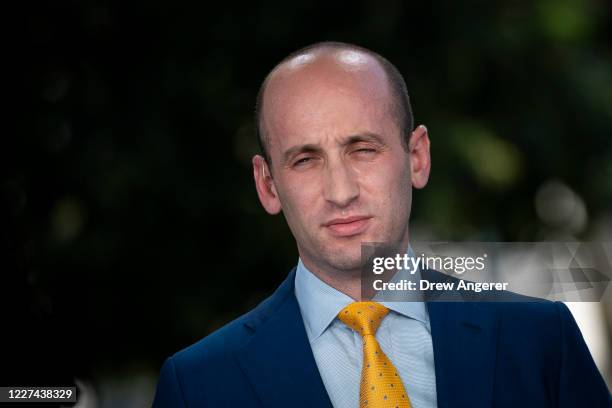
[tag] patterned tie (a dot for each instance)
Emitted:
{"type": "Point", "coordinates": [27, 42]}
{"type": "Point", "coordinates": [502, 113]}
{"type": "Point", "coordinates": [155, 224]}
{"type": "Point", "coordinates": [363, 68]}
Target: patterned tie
{"type": "Point", "coordinates": [381, 385]}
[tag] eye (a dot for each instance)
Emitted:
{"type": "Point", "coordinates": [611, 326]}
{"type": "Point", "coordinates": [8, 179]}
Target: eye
{"type": "Point", "coordinates": [365, 151]}
{"type": "Point", "coordinates": [302, 161]}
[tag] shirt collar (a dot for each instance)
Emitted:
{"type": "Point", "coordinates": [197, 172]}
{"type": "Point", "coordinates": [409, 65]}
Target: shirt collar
{"type": "Point", "coordinates": [320, 303]}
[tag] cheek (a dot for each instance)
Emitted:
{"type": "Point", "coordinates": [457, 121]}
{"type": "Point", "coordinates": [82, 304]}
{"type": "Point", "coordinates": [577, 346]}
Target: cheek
{"type": "Point", "coordinates": [387, 178]}
{"type": "Point", "coordinates": [389, 187]}
{"type": "Point", "coordinates": [298, 200]}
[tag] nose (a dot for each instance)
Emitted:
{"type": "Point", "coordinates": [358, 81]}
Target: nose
{"type": "Point", "coordinates": [340, 186]}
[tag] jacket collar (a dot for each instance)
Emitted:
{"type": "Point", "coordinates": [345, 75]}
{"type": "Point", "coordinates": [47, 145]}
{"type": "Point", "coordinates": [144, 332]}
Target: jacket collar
{"type": "Point", "coordinates": [279, 362]}
{"type": "Point", "coordinates": [278, 358]}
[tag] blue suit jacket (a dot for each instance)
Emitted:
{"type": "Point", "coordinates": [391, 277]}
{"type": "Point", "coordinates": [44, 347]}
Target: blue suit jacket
{"type": "Point", "coordinates": [511, 354]}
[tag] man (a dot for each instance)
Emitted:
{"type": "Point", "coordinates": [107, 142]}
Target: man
{"type": "Point", "coordinates": [340, 159]}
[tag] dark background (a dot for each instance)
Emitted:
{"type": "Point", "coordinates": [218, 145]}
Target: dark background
{"type": "Point", "coordinates": [131, 223]}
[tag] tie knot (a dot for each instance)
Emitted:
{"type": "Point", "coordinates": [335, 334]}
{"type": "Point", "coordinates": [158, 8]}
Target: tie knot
{"type": "Point", "coordinates": [363, 317]}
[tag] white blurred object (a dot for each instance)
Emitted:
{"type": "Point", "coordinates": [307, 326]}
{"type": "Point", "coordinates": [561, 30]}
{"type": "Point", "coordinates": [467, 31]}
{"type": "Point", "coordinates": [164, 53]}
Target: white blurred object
{"type": "Point", "coordinates": [87, 395]}
{"type": "Point", "coordinates": [561, 208]}
{"type": "Point", "coordinates": [133, 391]}
{"type": "Point", "coordinates": [591, 321]}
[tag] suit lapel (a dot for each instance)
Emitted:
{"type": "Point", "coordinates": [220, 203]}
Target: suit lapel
{"type": "Point", "coordinates": [278, 359]}
{"type": "Point", "coordinates": [464, 336]}
{"type": "Point", "coordinates": [279, 362]}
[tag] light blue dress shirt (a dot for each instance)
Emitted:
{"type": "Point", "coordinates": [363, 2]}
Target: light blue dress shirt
{"type": "Point", "coordinates": [404, 335]}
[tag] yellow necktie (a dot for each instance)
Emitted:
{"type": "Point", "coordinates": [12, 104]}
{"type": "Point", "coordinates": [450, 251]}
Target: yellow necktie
{"type": "Point", "coordinates": [381, 385]}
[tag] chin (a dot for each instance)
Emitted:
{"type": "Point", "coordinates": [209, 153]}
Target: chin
{"type": "Point", "coordinates": [344, 258]}
{"type": "Point", "coordinates": [346, 264]}
{"type": "Point", "coordinates": [345, 253]}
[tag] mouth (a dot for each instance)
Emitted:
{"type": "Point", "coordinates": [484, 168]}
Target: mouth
{"type": "Point", "coordinates": [349, 226]}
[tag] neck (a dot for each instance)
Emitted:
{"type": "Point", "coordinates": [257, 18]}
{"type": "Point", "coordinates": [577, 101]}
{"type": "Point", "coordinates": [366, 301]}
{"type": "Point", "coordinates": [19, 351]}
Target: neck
{"type": "Point", "coordinates": [347, 281]}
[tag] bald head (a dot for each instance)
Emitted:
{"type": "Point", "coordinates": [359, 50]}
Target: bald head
{"type": "Point", "coordinates": [317, 71]}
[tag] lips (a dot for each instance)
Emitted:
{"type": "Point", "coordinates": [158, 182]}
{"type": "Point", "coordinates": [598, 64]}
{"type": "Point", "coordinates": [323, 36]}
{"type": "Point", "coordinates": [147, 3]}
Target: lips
{"type": "Point", "coordinates": [349, 226]}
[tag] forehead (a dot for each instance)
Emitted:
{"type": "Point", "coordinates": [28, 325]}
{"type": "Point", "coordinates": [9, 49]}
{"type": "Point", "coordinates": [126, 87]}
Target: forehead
{"type": "Point", "coordinates": [330, 94]}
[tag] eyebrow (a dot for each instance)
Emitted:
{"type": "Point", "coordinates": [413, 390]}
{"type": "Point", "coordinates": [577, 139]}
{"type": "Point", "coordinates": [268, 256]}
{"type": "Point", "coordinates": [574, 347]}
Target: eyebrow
{"type": "Point", "coordinates": [314, 148]}
{"type": "Point", "coordinates": [363, 137]}
{"type": "Point", "coordinates": [295, 150]}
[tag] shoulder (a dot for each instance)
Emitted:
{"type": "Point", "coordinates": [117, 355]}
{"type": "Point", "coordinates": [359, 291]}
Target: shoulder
{"type": "Point", "coordinates": [531, 326]}
{"type": "Point", "coordinates": [197, 372]}
{"type": "Point", "coordinates": [220, 344]}
{"type": "Point", "coordinates": [516, 315]}
{"type": "Point", "coordinates": [532, 316]}
{"type": "Point", "coordinates": [526, 310]}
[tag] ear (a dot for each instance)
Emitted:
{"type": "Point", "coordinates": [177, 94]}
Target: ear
{"type": "Point", "coordinates": [420, 160]}
{"type": "Point", "coordinates": [266, 190]}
